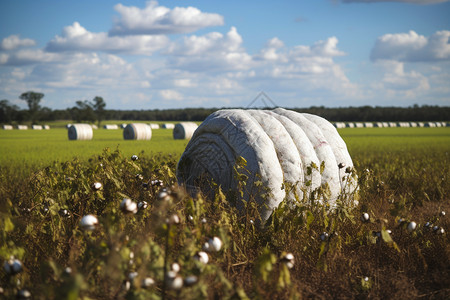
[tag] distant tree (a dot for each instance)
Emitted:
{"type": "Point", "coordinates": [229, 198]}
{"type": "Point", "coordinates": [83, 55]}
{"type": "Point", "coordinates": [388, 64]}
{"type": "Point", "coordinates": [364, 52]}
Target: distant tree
{"type": "Point", "coordinates": [84, 111]}
{"type": "Point", "coordinates": [99, 107]}
{"type": "Point", "coordinates": [33, 100]}
{"type": "Point", "coordinates": [8, 111]}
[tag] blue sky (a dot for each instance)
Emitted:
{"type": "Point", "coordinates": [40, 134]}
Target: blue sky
{"type": "Point", "coordinates": [180, 53]}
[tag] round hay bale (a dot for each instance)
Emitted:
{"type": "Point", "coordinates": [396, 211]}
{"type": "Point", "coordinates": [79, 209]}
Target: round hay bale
{"type": "Point", "coordinates": [111, 126]}
{"type": "Point", "coordinates": [46, 127]}
{"type": "Point", "coordinates": [282, 152]}
{"type": "Point", "coordinates": [36, 127]}
{"type": "Point", "coordinates": [168, 126]}
{"type": "Point", "coordinates": [7, 127]}
{"type": "Point", "coordinates": [137, 131]}
{"type": "Point", "coordinates": [154, 126]}
{"type": "Point", "coordinates": [80, 132]}
{"type": "Point", "coordinates": [184, 130]}
{"type": "Point", "coordinates": [22, 127]}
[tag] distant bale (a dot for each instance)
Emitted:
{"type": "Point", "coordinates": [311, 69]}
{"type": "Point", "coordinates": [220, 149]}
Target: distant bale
{"type": "Point", "coordinates": [154, 126]}
{"type": "Point", "coordinates": [379, 124]}
{"type": "Point", "coordinates": [22, 127]}
{"type": "Point", "coordinates": [7, 127]}
{"type": "Point", "coordinates": [137, 131]}
{"type": "Point", "coordinates": [80, 132]}
{"type": "Point", "coordinates": [46, 127]}
{"type": "Point", "coordinates": [184, 130]}
{"type": "Point", "coordinates": [111, 126]}
{"type": "Point", "coordinates": [68, 125]}
{"type": "Point", "coordinates": [368, 124]}
{"type": "Point", "coordinates": [94, 126]}
{"type": "Point", "coordinates": [36, 127]}
{"type": "Point", "coordinates": [123, 125]}
{"type": "Point", "coordinates": [168, 126]}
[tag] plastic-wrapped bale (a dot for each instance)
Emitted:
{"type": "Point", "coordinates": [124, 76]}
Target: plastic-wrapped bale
{"type": "Point", "coordinates": [168, 126]}
{"type": "Point", "coordinates": [184, 130]}
{"type": "Point", "coordinates": [154, 126]}
{"type": "Point", "coordinates": [137, 131]}
{"type": "Point", "coordinates": [22, 127]}
{"type": "Point", "coordinates": [46, 127]}
{"type": "Point", "coordinates": [111, 126]}
{"type": "Point", "coordinates": [7, 127]}
{"type": "Point", "coordinates": [80, 132]}
{"type": "Point", "coordinates": [283, 151]}
{"type": "Point", "coordinates": [36, 127]}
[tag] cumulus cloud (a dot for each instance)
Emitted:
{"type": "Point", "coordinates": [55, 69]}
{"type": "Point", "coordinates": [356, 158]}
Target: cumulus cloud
{"type": "Point", "coordinates": [76, 38]}
{"type": "Point", "coordinates": [397, 80]}
{"type": "Point", "coordinates": [14, 41]}
{"type": "Point", "coordinates": [155, 19]}
{"type": "Point", "coordinates": [412, 47]}
{"type": "Point", "coordinates": [27, 57]}
{"type": "Point", "coordinates": [209, 52]}
{"type": "Point", "coordinates": [405, 1]}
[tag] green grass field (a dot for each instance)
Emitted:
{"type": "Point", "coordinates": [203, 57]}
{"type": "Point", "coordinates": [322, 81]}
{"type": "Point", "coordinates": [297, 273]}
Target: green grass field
{"type": "Point", "coordinates": [31, 149]}
{"type": "Point", "coordinates": [36, 148]}
{"type": "Point", "coordinates": [403, 175]}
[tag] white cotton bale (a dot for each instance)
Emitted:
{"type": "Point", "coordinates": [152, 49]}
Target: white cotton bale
{"type": "Point", "coordinates": [22, 127]}
{"type": "Point", "coordinates": [378, 124]}
{"type": "Point", "coordinates": [359, 125]}
{"type": "Point", "coordinates": [278, 147]}
{"type": "Point", "coordinates": [289, 159]}
{"type": "Point", "coordinates": [350, 125]}
{"type": "Point", "coordinates": [123, 125]}
{"type": "Point", "coordinates": [46, 127]}
{"type": "Point", "coordinates": [168, 126]}
{"type": "Point", "coordinates": [368, 124]}
{"type": "Point", "coordinates": [323, 149]}
{"type": "Point", "coordinates": [340, 151]}
{"type": "Point", "coordinates": [36, 127]}
{"type": "Point", "coordinates": [137, 131]}
{"type": "Point", "coordinates": [7, 127]}
{"type": "Point", "coordinates": [184, 130]}
{"type": "Point", "coordinates": [154, 126]}
{"type": "Point", "coordinates": [80, 132]}
{"type": "Point", "coordinates": [111, 126]}
{"type": "Point", "coordinates": [305, 149]}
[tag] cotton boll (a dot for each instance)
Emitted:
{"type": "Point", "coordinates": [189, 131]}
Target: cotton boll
{"type": "Point", "coordinates": [89, 222]}
{"type": "Point", "coordinates": [412, 226]}
{"type": "Point", "coordinates": [128, 206]}
{"type": "Point", "coordinates": [174, 281]}
{"type": "Point", "coordinates": [365, 217]}
{"type": "Point", "coordinates": [214, 244]}
{"type": "Point", "coordinates": [147, 282]}
{"type": "Point", "coordinates": [96, 186]}
{"type": "Point", "coordinates": [202, 257]}
{"type": "Point", "coordinates": [134, 157]}
{"type": "Point", "coordinates": [288, 260]}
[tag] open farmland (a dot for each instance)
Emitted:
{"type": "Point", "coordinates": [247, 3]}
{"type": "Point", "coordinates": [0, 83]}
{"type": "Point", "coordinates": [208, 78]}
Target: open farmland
{"type": "Point", "coordinates": [404, 174]}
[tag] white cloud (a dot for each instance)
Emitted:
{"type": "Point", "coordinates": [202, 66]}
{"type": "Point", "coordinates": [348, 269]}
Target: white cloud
{"type": "Point", "coordinates": [170, 95]}
{"type": "Point", "coordinates": [27, 57]}
{"type": "Point", "coordinates": [211, 52]}
{"type": "Point", "coordinates": [397, 81]}
{"type": "Point", "coordinates": [155, 19]}
{"type": "Point", "coordinates": [405, 1]}
{"type": "Point", "coordinates": [77, 38]}
{"type": "Point", "coordinates": [14, 41]}
{"type": "Point", "coordinates": [412, 47]}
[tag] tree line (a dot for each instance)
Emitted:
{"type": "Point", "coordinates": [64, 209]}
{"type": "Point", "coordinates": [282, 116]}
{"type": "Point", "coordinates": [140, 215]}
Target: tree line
{"type": "Point", "coordinates": [94, 111]}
